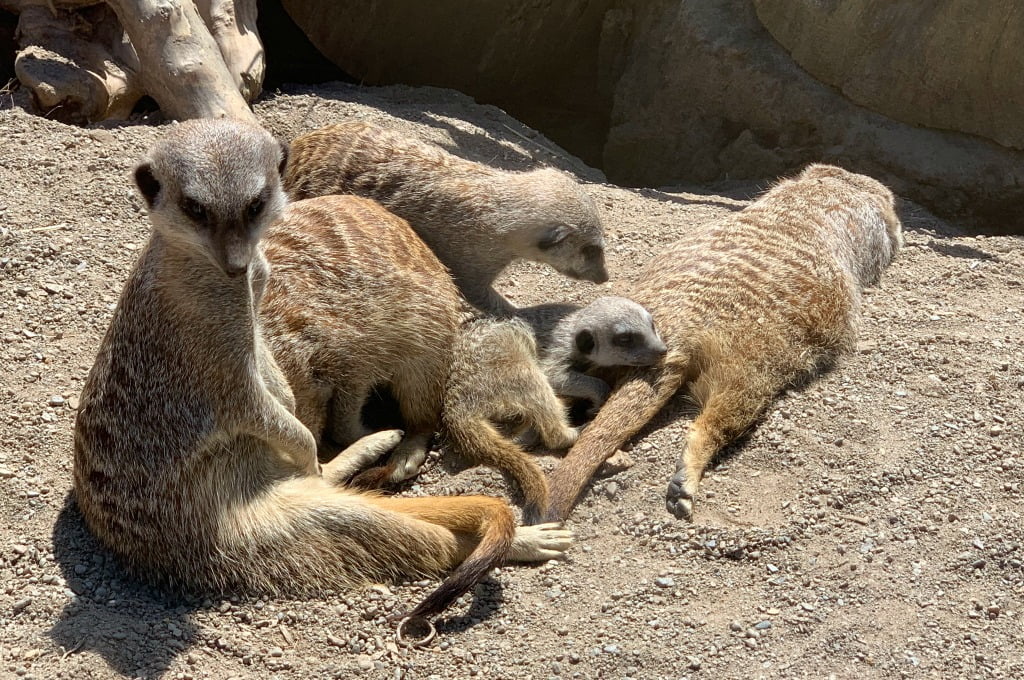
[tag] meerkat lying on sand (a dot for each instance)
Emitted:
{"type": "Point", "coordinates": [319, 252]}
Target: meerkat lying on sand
{"type": "Point", "coordinates": [748, 305]}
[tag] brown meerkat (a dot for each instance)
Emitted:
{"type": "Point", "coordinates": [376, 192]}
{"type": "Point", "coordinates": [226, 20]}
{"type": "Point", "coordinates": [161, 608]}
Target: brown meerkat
{"type": "Point", "coordinates": [358, 302]}
{"type": "Point", "coordinates": [762, 299]}
{"type": "Point", "coordinates": [499, 387]}
{"type": "Point", "coordinates": [188, 462]}
{"type": "Point", "coordinates": [476, 218]}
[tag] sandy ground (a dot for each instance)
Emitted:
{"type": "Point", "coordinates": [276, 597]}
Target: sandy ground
{"type": "Point", "coordinates": [870, 527]}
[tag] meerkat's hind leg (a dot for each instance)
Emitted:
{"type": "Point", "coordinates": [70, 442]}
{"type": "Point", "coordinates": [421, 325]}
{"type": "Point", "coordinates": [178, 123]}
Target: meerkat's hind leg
{"type": "Point", "coordinates": [418, 388]}
{"type": "Point", "coordinates": [540, 542]}
{"type": "Point", "coordinates": [730, 407]}
{"type": "Point", "coordinates": [549, 419]}
{"type": "Point", "coordinates": [361, 455]}
{"type": "Point", "coordinates": [409, 456]}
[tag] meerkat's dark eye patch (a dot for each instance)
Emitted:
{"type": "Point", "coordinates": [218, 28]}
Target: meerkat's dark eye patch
{"type": "Point", "coordinates": [592, 252]}
{"type": "Point", "coordinates": [625, 339]}
{"type": "Point", "coordinates": [552, 237]}
{"type": "Point", "coordinates": [194, 209]}
{"type": "Point", "coordinates": [255, 207]}
{"type": "Point", "coordinates": [585, 342]}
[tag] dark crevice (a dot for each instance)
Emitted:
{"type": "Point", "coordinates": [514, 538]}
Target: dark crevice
{"type": "Point", "coordinates": [8, 46]}
{"type": "Point", "coordinates": [290, 56]}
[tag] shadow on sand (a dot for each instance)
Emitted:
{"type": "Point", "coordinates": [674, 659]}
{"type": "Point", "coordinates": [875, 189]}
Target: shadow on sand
{"type": "Point", "coordinates": [137, 629]}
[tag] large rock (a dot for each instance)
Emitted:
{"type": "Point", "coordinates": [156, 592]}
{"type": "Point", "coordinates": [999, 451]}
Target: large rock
{"type": "Point", "coordinates": [708, 93]}
{"type": "Point", "coordinates": [668, 92]}
{"type": "Point", "coordinates": [946, 64]}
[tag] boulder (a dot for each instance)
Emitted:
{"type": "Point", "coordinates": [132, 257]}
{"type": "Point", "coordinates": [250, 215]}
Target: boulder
{"type": "Point", "coordinates": [708, 93]}
{"type": "Point", "coordinates": [944, 64]}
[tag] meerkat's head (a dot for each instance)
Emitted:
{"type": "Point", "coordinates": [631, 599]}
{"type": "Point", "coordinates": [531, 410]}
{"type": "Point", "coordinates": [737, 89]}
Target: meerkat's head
{"type": "Point", "coordinates": [214, 186]}
{"type": "Point", "coordinates": [875, 248]}
{"type": "Point", "coordinates": [614, 331]}
{"type": "Point", "coordinates": [562, 226]}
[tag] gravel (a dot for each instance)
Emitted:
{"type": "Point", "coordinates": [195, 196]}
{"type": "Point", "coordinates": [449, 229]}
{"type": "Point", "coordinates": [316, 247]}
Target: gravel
{"type": "Point", "coordinates": [870, 526]}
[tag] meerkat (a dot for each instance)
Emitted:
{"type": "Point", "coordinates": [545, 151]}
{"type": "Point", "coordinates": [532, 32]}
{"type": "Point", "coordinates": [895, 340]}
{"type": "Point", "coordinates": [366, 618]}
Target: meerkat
{"type": "Point", "coordinates": [763, 299]}
{"type": "Point", "coordinates": [476, 218]}
{"type": "Point", "coordinates": [578, 345]}
{"type": "Point", "coordinates": [358, 302]}
{"type": "Point", "coordinates": [499, 387]}
{"type": "Point", "coordinates": [189, 464]}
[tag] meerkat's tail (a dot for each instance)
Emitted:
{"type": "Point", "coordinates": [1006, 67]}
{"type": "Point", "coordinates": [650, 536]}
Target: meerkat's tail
{"type": "Point", "coordinates": [488, 520]}
{"type": "Point", "coordinates": [633, 403]}
{"type": "Point", "coordinates": [308, 535]}
{"type": "Point", "coordinates": [478, 440]}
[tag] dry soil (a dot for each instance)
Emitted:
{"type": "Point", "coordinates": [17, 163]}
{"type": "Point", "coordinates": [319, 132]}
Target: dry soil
{"type": "Point", "coordinates": [869, 527]}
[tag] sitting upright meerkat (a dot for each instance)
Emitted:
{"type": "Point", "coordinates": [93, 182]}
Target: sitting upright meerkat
{"type": "Point", "coordinates": [759, 300]}
{"type": "Point", "coordinates": [499, 387]}
{"type": "Point", "coordinates": [188, 462]}
{"type": "Point", "coordinates": [476, 218]}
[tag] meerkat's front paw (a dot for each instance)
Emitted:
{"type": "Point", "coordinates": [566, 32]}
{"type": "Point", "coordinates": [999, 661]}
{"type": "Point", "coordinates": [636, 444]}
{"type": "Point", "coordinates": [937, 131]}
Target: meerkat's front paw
{"type": "Point", "coordinates": [679, 498]}
{"type": "Point", "coordinates": [540, 542]}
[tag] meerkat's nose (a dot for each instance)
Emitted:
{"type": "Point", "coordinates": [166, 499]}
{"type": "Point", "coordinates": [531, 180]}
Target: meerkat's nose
{"type": "Point", "coordinates": [599, 276]}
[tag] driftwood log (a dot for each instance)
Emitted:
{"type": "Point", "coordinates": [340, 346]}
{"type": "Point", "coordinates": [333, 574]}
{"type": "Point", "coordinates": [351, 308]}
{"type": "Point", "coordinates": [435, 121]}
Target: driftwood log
{"type": "Point", "coordinates": [86, 60]}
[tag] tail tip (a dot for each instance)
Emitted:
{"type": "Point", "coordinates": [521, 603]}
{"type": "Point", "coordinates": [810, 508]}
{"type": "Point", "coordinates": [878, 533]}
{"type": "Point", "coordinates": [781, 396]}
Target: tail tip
{"type": "Point", "coordinates": [415, 631]}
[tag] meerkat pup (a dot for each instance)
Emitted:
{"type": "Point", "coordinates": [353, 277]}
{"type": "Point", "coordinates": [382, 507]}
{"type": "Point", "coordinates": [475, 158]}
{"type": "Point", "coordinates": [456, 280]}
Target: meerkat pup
{"type": "Point", "coordinates": [748, 305]}
{"type": "Point", "coordinates": [580, 344]}
{"type": "Point", "coordinates": [500, 388]}
{"type": "Point", "coordinates": [188, 462]}
{"type": "Point", "coordinates": [476, 218]}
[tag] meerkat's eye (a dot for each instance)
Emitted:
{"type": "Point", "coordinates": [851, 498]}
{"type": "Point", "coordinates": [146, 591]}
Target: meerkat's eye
{"type": "Point", "coordinates": [255, 207]}
{"type": "Point", "coordinates": [194, 209]}
{"type": "Point", "coordinates": [592, 252]}
{"type": "Point", "coordinates": [624, 339]}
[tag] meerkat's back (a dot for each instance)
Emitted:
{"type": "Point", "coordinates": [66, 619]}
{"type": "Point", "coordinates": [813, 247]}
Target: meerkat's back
{"type": "Point", "coordinates": [476, 218]}
{"type": "Point", "coordinates": [747, 305]}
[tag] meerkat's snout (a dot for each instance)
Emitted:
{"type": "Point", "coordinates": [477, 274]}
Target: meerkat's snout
{"type": "Point", "coordinates": [234, 252]}
{"type": "Point", "coordinates": [656, 351]}
{"type": "Point", "coordinates": [594, 268]}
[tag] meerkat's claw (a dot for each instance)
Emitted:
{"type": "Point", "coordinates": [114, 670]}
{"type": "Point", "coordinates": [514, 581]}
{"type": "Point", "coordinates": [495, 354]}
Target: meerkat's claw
{"type": "Point", "coordinates": [361, 455]}
{"type": "Point", "coordinates": [540, 542]}
{"type": "Point", "coordinates": [678, 500]}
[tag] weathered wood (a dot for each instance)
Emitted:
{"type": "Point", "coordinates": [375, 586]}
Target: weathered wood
{"type": "Point", "coordinates": [181, 64]}
{"type": "Point", "coordinates": [77, 65]}
{"type": "Point", "coordinates": [233, 26]}
{"type": "Point", "coordinates": [84, 60]}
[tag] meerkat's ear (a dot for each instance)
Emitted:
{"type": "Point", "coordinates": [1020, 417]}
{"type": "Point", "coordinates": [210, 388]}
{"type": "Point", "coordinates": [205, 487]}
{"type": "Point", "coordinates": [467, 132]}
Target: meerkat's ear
{"type": "Point", "coordinates": [585, 341]}
{"type": "Point", "coordinates": [284, 157]}
{"type": "Point", "coordinates": [149, 185]}
{"type": "Point", "coordinates": [552, 236]}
